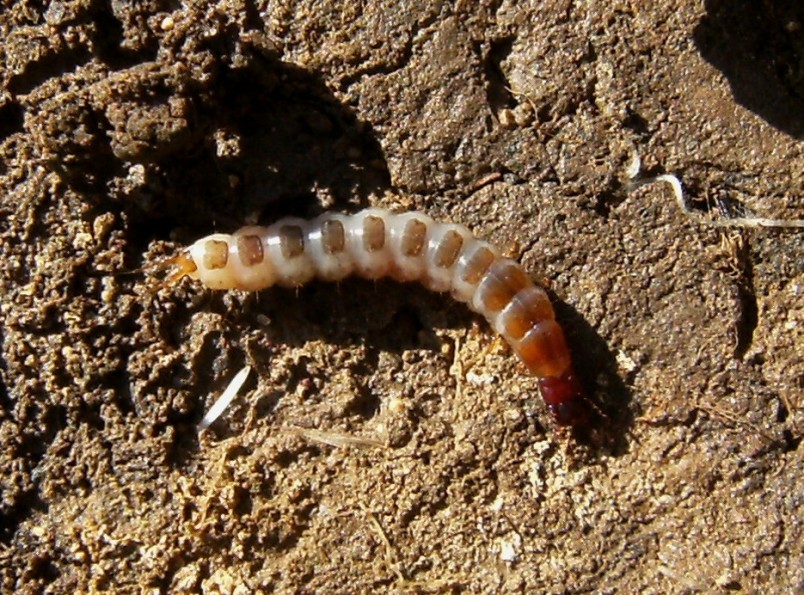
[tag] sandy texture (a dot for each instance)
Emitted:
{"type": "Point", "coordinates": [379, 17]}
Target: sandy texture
{"type": "Point", "coordinates": [387, 441]}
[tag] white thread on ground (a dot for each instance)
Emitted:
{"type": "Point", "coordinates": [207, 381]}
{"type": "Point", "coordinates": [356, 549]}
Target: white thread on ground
{"type": "Point", "coordinates": [634, 167]}
{"type": "Point", "coordinates": [678, 191]}
{"type": "Point", "coordinates": [633, 171]}
{"type": "Point", "coordinates": [225, 399]}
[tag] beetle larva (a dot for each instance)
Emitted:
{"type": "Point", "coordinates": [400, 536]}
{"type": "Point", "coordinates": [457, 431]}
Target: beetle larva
{"type": "Point", "coordinates": [375, 243]}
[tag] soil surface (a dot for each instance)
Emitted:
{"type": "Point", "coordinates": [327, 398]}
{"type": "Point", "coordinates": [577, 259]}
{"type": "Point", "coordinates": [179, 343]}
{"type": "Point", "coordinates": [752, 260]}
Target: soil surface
{"type": "Point", "coordinates": [386, 440]}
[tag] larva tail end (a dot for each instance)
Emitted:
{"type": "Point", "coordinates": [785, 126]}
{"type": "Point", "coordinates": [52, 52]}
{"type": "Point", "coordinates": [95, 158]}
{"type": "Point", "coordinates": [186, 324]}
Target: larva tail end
{"type": "Point", "coordinates": [573, 413]}
{"type": "Point", "coordinates": [565, 399]}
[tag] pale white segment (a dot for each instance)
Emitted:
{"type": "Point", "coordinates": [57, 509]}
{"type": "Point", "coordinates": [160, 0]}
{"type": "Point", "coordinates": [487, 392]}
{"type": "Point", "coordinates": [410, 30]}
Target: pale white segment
{"type": "Point", "coordinates": [530, 299]}
{"type": "Point", "coordinates": [439, 278]}
{"type": "Point", "coordinates": [462, 290]}
{"type": "Point", "coordinates": [290, 272]}
{"type": "Point", "coordinates": [370, 265]}
{"type": "Point", "coordinates": [213, 278]}
{"type": "Point", "coordinates": [407, 268]}
{"type": "Point", "coordinates": [329, 267]}
{"type": "Point", "coordinates": [257, 276]}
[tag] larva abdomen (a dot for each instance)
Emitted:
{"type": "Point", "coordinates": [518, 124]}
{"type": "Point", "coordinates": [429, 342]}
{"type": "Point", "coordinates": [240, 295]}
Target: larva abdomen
{"type": "Point", "coordinates": [375, 243]}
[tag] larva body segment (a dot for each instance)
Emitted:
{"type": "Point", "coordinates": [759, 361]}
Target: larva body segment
{"type": "Point", "coordinates": [367, 243]}
{"type": "Point", "coordinates": [327, 243]}
{"type": "Point", "coordinates": [247, 255]}
{"type": "Point", "coordinates": [211, 258]}
{"type": "Point", "coordinates": [407, 243]}
{"type": "Point", "coordinates": [375, 243]}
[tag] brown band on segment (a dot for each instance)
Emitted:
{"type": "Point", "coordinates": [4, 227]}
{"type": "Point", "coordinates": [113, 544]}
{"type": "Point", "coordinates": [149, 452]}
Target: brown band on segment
{"type": "Point", "coordinates": [502, 282]}
{"type": "Point", "coordinates": [249, 249]}
{"type": "Point", "coordinates": [448, 250]}
{"type": "Point", "coordinates": [528, 308]}
{"type": "Point", "coordinates": [216, 254]}
{"type": "Point", "coordinates": [291, 241]}
{"type": "Point", "coordinates": [333, 238]}
{"type": "Point", "coordinates": [413, 237]}
{"type": "Point", "coordinates": [479, 262]}
{"type": "Point", "coordinates": [373, 233]}
{"type": "Point", "coordinates": [544, 350]}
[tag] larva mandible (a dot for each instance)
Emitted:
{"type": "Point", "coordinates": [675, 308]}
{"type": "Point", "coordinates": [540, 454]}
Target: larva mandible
{"type": "Point", "coordinates": [411, 246]}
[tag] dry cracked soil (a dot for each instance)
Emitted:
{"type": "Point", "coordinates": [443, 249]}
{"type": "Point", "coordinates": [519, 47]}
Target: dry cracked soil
{"type": "Point", "coordinates": [386, 441]}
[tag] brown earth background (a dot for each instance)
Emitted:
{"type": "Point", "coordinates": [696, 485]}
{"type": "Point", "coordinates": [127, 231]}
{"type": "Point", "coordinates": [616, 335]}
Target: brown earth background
{"type": "Point", "coordinates": [386, 441]}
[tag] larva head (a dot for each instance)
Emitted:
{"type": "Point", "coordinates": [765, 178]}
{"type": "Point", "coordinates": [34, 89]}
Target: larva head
{"type": "Point", "coordinates": [565, 399]}
{"type": "Point", "coordinates": [183, 266]}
